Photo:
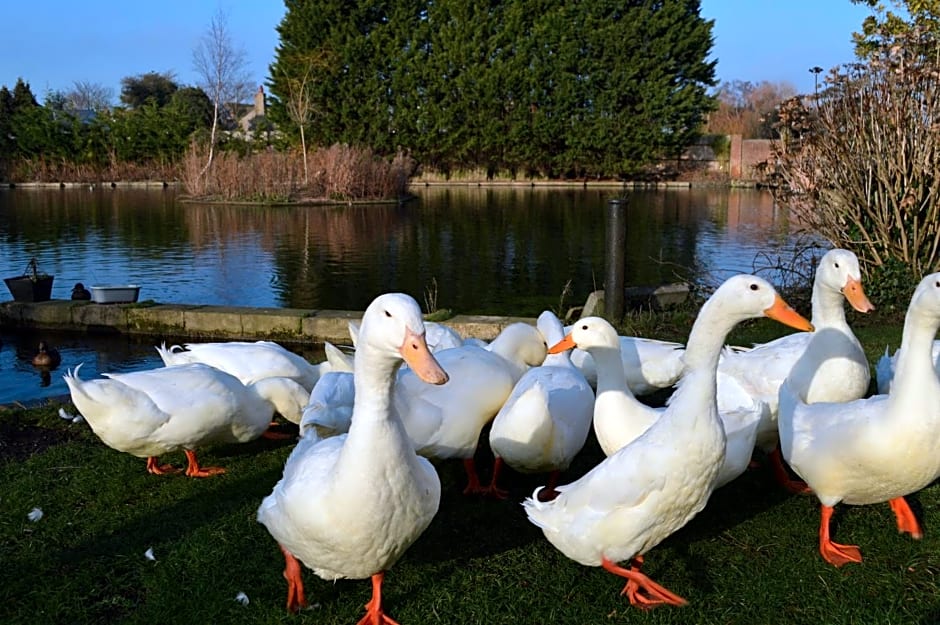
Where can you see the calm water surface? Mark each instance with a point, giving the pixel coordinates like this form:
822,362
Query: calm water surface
470,249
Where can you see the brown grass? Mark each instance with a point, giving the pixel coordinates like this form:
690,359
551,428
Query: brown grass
336,173
57,170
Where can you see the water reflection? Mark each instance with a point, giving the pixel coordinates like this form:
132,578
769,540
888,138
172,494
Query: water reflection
487,250
21,381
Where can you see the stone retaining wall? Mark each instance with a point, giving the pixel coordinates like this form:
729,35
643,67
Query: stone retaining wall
214,322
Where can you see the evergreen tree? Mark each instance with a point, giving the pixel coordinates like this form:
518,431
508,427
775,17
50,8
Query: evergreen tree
602,87
351,93
22,96
7,145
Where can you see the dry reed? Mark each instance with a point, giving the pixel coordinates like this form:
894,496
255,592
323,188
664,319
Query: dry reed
45,170
336,173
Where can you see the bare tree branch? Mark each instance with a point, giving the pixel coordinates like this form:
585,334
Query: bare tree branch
859,163
222,69
89,96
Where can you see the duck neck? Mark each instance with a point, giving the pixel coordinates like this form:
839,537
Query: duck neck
698,384
506,345
914,374
705,341
374,379
828,306
609,366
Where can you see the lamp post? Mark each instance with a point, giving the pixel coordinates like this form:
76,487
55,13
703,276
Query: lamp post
815,70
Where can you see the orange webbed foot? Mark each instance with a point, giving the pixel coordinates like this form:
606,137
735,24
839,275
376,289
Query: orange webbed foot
474,487
492,491
205,471
376,618
907,521
834,553
159,469
194,470
839,555
642,592
295,585
782,476
374,613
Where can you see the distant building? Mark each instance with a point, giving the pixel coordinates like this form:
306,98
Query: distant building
258,110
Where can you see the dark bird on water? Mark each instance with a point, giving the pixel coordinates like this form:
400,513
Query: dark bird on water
47,356
80,292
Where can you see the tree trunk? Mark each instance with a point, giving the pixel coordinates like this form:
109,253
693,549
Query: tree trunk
215,121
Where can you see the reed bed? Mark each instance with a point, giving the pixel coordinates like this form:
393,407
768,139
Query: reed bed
336,173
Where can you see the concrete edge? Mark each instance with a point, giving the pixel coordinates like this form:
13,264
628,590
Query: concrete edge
291,325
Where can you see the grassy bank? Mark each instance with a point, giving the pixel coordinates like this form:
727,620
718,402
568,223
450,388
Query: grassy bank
749,557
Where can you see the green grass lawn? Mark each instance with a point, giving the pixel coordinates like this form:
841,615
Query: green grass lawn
749,557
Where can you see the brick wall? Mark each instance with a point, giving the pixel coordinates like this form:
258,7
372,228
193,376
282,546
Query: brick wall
742,162
753,153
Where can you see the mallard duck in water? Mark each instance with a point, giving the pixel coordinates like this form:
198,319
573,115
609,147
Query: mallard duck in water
47,356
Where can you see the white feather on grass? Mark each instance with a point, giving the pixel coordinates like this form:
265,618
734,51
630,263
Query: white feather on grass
149,555
69,417
242,598
35,514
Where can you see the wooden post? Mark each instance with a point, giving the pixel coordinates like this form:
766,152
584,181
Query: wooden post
614,257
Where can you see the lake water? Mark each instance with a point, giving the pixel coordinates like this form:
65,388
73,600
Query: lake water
471,249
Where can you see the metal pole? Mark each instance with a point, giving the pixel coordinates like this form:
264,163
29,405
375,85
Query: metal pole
614,257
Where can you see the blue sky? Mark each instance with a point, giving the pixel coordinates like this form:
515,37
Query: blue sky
779,40
53,43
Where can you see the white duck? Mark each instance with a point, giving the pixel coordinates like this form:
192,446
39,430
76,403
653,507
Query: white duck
247,361
620,418
253,361
157,411
648,364
336,360
330,406
876,449
546,419
445,421
647,490
837,368
349,506
439,336
884,369
442,336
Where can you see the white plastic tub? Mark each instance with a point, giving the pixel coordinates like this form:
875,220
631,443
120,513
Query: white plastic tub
115,293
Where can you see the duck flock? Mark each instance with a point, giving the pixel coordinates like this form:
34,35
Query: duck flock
359,487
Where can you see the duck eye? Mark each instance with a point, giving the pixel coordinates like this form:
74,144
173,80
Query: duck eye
836,265
584,327
388,314
754,287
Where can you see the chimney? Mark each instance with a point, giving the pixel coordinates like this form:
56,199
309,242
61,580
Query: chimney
259,101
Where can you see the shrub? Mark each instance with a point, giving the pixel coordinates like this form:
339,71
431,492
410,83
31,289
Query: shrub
859,164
